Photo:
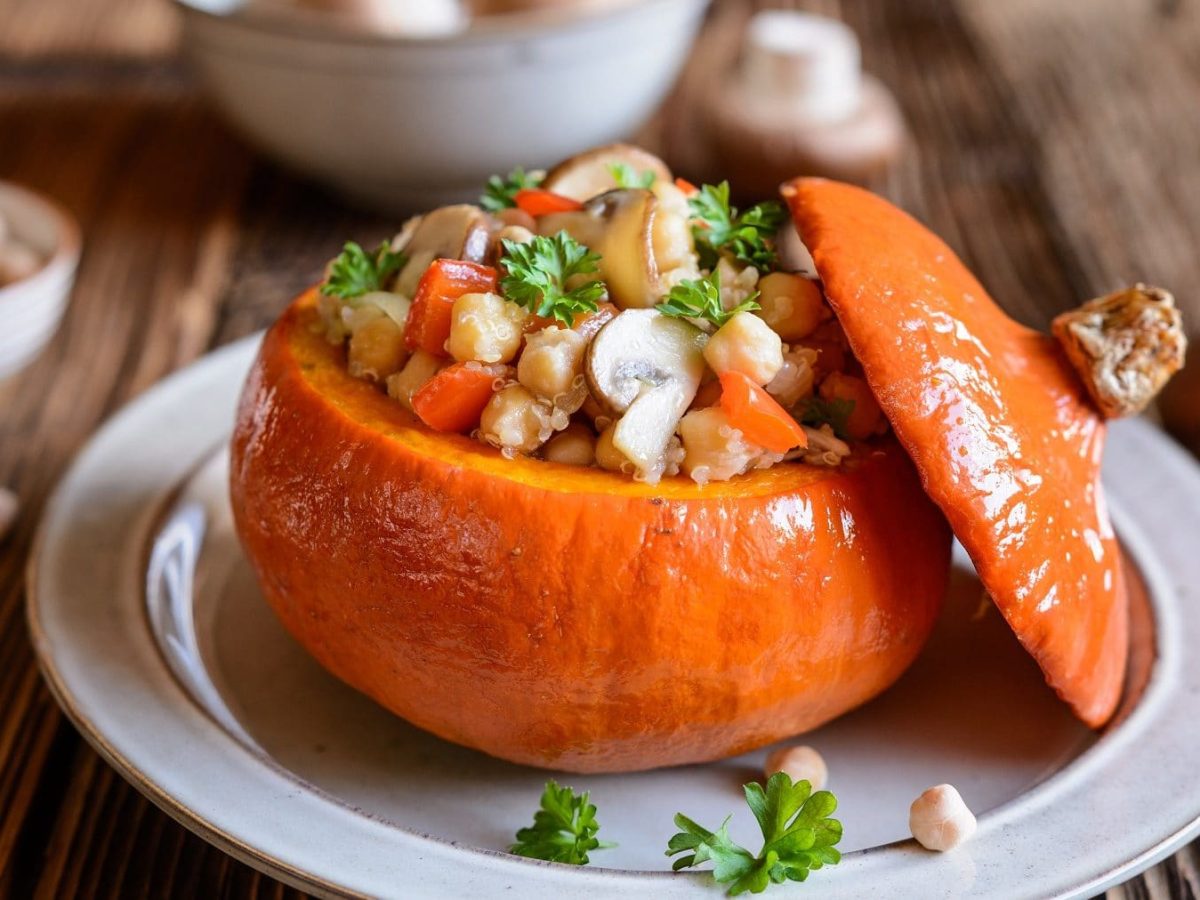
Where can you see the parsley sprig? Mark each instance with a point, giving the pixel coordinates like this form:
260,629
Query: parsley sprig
625,176
537,272
701,299
355,272
834,412
749,237
499,193
564,828
798,836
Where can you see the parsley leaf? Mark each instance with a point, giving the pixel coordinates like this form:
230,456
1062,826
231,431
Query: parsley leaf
537,272
749,237
563,830
625,177
355,272
701,299
798,836
835,413
499,192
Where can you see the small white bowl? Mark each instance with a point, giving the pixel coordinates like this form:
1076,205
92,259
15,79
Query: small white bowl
407,123
30,309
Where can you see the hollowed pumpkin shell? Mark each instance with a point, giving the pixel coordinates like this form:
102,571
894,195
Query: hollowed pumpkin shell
568,617
998,424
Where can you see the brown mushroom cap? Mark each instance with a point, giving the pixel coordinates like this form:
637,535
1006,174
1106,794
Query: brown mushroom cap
587,174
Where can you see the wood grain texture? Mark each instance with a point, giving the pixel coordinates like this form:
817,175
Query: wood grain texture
1055,145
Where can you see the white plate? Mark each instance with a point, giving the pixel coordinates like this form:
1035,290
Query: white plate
287,769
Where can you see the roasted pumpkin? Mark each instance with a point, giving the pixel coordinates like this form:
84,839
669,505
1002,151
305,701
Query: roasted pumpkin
569,617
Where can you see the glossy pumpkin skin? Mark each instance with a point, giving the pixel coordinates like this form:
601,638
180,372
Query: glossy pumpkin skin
997,423
566,617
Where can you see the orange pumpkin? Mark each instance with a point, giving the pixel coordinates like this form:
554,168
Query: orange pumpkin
998,424
569,617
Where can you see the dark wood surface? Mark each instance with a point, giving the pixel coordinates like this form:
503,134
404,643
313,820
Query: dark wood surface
1056,146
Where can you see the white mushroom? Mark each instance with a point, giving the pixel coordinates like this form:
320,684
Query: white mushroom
646,368
461,231
940,820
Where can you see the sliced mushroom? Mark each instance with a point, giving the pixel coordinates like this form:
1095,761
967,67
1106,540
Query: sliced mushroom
590,173
626,246
461,231
646,368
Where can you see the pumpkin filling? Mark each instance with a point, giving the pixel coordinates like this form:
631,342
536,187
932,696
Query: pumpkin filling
604,314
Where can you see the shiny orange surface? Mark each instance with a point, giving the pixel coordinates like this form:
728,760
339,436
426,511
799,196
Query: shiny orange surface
568,617
999,427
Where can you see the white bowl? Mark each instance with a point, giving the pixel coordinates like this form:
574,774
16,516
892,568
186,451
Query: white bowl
407,123
30,309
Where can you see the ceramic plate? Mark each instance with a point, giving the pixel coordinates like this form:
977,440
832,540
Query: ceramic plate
153,636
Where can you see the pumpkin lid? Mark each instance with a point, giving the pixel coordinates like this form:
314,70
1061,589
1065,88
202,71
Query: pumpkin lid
996,422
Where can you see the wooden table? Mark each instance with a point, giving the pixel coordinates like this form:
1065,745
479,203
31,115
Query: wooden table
1057,147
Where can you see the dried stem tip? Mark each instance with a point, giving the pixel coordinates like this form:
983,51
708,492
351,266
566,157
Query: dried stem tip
1125,347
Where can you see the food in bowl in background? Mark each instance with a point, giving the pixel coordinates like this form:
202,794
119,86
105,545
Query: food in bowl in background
522,473
395,122
18,260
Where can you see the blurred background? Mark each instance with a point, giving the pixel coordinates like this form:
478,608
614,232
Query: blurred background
213,155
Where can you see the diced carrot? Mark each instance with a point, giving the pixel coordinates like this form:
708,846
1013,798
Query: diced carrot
454,398
538,202
757,416
428,325
686,186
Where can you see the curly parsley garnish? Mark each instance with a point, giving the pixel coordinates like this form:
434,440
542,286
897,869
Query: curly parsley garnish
749,237
563,830
625,176
701,299
355,272
537,272
834,412
500,192
798,836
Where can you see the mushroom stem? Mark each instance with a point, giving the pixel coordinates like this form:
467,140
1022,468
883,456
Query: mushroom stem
1124,346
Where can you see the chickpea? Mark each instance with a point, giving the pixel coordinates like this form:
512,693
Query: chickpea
795,381
575,446
421,366
607,455
791,304
745,344
866,418
799,763
940,819
713,449
377,349
486,328
513,420
551,364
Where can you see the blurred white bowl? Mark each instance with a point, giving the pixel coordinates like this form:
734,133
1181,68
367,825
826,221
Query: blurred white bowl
30,309
407,123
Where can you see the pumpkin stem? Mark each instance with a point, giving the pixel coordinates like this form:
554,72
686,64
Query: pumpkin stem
1125,346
